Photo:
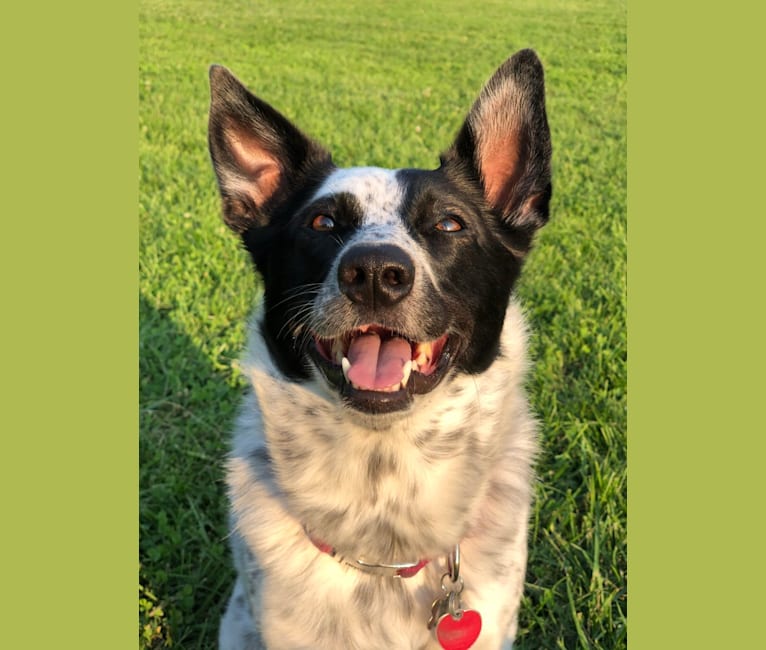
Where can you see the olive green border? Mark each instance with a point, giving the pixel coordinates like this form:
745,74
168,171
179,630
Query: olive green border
69,270
696,233
696,351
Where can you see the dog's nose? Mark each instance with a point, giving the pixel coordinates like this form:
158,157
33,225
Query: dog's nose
376,276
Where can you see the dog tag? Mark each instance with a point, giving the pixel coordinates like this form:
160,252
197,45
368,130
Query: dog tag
455,628
458,633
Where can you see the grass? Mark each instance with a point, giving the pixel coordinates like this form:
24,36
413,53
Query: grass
384,83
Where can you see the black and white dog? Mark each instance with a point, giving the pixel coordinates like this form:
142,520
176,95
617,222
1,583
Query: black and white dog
380,479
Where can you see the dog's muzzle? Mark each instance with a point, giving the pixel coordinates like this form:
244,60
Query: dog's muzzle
376,367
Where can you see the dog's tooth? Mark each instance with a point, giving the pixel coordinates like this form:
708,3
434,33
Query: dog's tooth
406,370
345,364
424,352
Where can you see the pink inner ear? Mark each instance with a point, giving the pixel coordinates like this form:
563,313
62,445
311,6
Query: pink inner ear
257,164
500,169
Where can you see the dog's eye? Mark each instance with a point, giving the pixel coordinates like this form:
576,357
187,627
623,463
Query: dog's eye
323,223
449,224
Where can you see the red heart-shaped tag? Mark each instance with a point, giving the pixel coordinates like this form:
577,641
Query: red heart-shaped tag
459,634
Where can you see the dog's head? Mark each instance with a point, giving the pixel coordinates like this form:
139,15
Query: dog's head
386,281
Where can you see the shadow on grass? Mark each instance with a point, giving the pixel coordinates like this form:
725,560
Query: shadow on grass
186,411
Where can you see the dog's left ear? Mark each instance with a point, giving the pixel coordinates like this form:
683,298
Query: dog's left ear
506,144
258,154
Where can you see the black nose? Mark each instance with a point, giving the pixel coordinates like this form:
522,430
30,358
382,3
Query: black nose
376,276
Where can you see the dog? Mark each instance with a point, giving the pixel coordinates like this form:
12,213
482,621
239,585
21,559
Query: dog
381,472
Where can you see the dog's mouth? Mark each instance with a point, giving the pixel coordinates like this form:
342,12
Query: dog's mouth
378,370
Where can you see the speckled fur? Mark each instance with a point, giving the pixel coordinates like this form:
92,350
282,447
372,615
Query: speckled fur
461,471
454,464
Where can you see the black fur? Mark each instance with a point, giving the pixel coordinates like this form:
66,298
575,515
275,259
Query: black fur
386,367
474,266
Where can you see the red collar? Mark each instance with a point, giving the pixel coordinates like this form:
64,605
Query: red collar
395,570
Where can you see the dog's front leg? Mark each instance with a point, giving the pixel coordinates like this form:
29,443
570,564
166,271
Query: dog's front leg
238,630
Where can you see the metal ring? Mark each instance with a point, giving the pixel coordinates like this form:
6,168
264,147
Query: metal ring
455,587
453,562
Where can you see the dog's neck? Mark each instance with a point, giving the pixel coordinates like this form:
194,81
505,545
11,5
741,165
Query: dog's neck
388,492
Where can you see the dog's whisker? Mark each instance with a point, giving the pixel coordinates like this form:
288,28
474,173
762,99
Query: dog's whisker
309,291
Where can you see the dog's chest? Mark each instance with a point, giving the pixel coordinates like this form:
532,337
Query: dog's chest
406,494
401,494
342,610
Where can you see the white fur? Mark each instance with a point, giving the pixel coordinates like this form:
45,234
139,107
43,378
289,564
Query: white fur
475,490
377,189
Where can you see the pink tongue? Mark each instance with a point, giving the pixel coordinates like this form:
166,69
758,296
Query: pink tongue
376,365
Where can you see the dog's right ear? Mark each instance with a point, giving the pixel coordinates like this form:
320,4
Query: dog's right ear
505,142
257,153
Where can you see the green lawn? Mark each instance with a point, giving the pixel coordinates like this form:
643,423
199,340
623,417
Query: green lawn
383,83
